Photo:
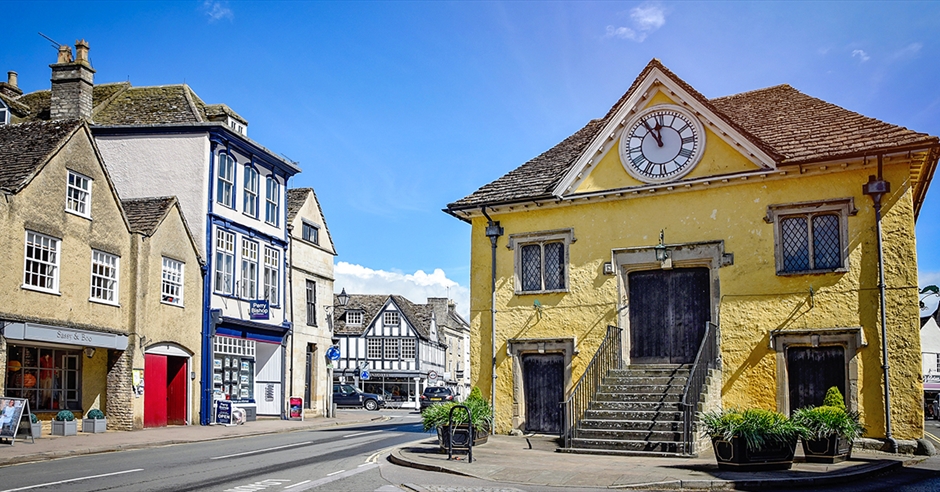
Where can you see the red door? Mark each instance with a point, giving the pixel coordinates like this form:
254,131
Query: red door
155,390
176,391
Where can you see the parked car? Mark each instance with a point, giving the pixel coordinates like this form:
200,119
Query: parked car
346,395
436,394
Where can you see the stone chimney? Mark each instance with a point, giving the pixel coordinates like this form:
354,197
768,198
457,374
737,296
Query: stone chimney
9,87
72,84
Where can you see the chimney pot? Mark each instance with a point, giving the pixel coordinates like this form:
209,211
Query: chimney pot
81,51
65,54
11,78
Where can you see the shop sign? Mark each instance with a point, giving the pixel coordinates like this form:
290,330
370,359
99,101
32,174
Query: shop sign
259,309
68,336
223,412
931,381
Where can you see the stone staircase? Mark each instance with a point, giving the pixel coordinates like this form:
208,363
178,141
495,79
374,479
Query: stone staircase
636,411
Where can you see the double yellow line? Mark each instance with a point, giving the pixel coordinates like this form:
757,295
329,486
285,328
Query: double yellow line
931,436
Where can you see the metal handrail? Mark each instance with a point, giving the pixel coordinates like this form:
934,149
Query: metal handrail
608,356
706,358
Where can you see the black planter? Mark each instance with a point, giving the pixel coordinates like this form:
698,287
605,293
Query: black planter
480,436
831,450
734,456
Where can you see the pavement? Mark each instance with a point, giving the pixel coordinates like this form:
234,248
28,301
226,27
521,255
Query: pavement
525,460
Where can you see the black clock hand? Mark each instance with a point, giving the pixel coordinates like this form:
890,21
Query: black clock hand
659,140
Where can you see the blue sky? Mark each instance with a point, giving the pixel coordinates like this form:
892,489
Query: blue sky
395,109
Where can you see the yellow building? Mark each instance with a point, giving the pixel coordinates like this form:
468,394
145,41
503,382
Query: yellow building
737,226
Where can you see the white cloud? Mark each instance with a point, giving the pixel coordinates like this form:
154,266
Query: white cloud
928,278
416,287
907,51
861,55
646,18
217,10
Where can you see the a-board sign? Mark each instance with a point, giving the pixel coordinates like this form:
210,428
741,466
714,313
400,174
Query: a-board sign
11,413
223,412
296,408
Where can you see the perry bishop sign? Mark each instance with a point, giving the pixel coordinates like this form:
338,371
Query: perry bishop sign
259,309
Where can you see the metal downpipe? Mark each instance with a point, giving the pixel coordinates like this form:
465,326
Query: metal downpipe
493,231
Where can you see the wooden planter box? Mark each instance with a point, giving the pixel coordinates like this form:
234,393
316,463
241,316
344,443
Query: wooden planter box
832,450
480,436
36,429
734,456
64,428
95,426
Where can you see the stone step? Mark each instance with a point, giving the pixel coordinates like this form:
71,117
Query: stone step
618,445
644,388
645,380
630,435
644,425
630,414
669,406
616,452
638,397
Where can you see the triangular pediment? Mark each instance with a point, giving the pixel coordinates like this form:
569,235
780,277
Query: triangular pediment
663,131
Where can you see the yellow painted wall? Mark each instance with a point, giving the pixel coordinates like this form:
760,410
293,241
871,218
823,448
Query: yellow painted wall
754,300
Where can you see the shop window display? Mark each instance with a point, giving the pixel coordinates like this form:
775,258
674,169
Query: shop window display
48,378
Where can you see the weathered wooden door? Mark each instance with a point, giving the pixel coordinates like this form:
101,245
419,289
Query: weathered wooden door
668,312
812,371
544,382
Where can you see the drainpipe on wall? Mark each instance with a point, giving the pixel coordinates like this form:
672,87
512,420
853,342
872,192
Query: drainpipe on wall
493,231
876,188
290,294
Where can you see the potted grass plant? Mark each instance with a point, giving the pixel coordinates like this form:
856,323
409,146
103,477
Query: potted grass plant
831,429
35,426
752,439
94,421
64,424
437,418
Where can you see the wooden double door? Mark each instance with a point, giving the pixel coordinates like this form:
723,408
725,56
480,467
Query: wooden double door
543,378
164,390
668,313
811,371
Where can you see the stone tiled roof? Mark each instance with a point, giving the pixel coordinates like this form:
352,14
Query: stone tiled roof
295,200
789,126
145,214
803,128
419,315
26,147
122,104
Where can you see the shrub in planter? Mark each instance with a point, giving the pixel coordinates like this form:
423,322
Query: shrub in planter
830,429
752,439
64,424
94,421
35,426
437,417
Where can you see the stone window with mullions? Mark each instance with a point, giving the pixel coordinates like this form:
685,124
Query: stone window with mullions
541,261
811,237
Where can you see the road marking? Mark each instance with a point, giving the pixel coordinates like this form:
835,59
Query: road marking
335,477
75,480
335,473
254,487
262,450
361,434
296,484
935,438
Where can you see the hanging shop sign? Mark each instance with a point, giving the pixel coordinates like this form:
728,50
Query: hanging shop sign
259,309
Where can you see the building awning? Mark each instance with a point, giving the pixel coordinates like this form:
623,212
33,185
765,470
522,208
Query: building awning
65,336
240,328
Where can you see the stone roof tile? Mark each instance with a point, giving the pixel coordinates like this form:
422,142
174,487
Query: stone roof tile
145,214
25,147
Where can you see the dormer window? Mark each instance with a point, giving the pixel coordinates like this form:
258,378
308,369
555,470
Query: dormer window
391,318
4,114
237,126
353,318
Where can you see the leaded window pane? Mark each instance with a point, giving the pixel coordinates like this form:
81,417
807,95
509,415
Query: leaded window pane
532,267
826,248
795,247
554,266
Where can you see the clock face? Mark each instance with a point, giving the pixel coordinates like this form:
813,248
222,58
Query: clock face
661,144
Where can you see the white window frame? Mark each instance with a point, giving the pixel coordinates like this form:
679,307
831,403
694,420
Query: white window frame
4,114
272,268
171,287
541,238
354,318
43,267
225,195
105,277
249,270
392,349
374,348
250,205
271,200
78,194
391,318
224,262
409,348
842,207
